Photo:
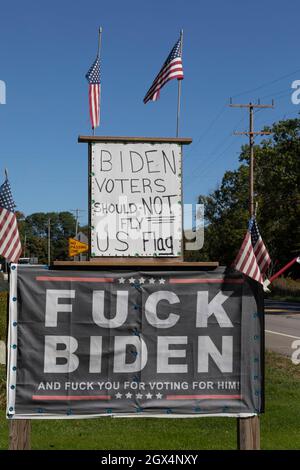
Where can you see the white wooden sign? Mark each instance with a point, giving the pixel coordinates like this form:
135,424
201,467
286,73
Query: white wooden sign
136,200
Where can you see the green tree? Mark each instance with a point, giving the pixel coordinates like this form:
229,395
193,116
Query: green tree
277,191
62,227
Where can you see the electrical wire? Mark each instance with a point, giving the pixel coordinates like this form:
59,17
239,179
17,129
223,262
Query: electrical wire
211,161
276,80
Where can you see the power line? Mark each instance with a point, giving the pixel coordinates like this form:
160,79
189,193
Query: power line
276,80
204,171
214,120
209,161
281,93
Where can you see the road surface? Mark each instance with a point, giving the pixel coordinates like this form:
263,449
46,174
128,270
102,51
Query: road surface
282,326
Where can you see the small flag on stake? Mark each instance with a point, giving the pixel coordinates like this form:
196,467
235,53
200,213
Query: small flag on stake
172,68
10,244
253,258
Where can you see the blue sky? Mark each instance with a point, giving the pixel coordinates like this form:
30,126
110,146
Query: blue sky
47,47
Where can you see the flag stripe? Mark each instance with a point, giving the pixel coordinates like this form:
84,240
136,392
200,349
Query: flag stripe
93,77
10,245
16,252
11,236
3,227
164,72
13,242
94,99
243,252
172,68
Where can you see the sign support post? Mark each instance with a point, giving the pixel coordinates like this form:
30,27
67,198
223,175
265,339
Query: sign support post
19,434
248,433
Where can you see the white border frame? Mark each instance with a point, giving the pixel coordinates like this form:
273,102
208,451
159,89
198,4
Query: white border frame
12,340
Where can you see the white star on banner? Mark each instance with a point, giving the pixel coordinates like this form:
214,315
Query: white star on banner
142,280
151,280
139,396
131,280
118,395
128,395
122,280
158,396
148,396
162,280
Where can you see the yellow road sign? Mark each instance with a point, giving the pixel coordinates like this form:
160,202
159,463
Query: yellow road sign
76,247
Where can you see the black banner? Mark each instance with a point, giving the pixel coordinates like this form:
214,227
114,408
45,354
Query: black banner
156,343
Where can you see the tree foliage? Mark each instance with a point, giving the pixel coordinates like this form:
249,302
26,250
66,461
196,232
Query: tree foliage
34,234
277,192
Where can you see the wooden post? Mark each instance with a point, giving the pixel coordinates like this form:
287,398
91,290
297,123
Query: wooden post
19,434
248,433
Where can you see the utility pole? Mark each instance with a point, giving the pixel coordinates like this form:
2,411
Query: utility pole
77,215
248,429
25,243
251,133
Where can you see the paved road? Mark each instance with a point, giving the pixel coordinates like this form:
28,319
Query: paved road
282,326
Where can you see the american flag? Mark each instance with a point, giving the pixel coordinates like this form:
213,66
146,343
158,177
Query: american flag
172,68
253,258
10,244
93,77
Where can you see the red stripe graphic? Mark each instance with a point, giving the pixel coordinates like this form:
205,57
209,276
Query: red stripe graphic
204,397
74,279
205,281
69,397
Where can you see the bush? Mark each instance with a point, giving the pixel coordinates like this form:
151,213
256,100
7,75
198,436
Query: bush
286,287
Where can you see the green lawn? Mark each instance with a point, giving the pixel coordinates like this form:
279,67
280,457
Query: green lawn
280,425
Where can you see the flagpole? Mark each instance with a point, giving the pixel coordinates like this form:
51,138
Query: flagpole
99,52
99,41
179,88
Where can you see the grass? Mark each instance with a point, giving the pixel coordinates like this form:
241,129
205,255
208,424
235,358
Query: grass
279,425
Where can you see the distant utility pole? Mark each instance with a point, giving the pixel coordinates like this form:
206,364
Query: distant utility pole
251,135
77,215
25,243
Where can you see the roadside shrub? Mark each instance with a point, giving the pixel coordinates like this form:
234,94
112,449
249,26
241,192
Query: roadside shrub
286,287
